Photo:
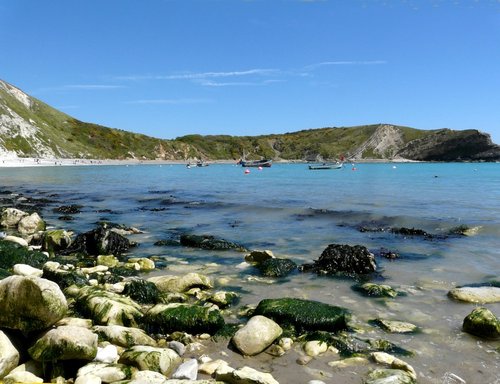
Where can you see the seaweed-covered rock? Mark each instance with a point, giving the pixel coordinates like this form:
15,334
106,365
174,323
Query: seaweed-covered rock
69,209
258,256
16,239
481,295
107,260
304,315
9,356
209,242
275,267
168,318
375,290
12,254
65,343
31,224
258,334
30,303
392,326
108,308
55,240
142,291
223,299
65,278
412,232
344,259
143,263
179,284
464,230
389,376
163,360
100,241
11,217
393,362
483,323
123,336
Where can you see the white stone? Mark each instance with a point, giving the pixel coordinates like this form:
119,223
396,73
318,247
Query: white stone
163,360
258,334
108,373
30,224
147,377
21,377
26,270
108,354
187,370
286,343
11,217
17,240
315,347
88,379
480,295
124,336
9,356
210,367
245,375
393,362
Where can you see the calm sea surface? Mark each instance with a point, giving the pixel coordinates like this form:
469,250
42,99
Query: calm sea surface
296,213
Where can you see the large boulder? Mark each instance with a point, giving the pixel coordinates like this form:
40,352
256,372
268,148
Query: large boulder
195,319
258,334
344,259
65,343
163,360
11,217
209,242
483,323
183,283
304,315
108,308
482,295
9,356
100,241
31,224
123,336
30,303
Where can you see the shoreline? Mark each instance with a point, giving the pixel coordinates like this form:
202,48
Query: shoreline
24,162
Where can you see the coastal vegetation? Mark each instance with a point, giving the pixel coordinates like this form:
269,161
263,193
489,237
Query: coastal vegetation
31,128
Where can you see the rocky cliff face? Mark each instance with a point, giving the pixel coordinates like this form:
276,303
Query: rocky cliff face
448,145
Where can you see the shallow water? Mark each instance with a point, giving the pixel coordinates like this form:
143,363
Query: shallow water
296,213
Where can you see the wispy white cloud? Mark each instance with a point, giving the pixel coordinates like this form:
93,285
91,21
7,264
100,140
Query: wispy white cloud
202,75
211,83
170,101
92,86
345,62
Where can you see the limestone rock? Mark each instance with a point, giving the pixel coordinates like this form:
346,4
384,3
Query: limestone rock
107,260
376,290
315,347
9,356
108,373
394,363
245,375
108,308
349,362
21,377
65,343
163,360
188,370
124,336
88,379
144,263
147,377
11,217
389,376
482,295
107,354
258,334
179,284
26,270
396,326
30,303
31,224
17,240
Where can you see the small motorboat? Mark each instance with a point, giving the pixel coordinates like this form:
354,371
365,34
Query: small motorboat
326,166
256,163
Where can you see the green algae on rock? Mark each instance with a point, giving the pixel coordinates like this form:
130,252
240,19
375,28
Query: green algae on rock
275,267
195,319
375,290
12,254
142,291
304,315
483,323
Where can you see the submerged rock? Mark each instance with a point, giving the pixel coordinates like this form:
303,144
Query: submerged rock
344,259
395,326
275,267
168,318
305,315
30,303
482,295
258,334
483,323
375,290
209,242
389,376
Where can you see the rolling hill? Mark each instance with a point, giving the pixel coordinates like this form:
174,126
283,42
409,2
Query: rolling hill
31,128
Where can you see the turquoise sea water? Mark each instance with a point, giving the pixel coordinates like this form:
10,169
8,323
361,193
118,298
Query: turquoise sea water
296,213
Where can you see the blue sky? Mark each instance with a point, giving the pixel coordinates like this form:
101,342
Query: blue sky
168,68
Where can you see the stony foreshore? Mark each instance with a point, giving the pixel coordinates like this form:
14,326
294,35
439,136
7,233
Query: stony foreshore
81,308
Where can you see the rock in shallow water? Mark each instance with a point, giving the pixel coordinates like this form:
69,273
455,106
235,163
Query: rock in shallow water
256,335
483,323
482,295
163,360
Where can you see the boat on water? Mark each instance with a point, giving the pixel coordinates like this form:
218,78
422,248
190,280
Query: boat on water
326,166
197,164
256,163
